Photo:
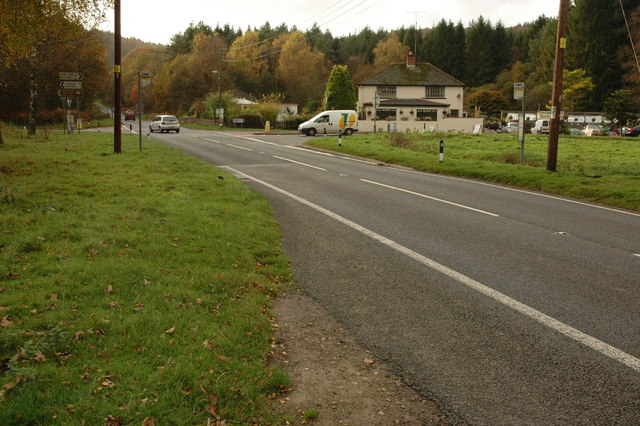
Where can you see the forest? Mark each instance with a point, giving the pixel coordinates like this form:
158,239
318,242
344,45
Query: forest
287,64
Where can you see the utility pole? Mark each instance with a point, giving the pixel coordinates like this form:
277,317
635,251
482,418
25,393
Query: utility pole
556,97
117,89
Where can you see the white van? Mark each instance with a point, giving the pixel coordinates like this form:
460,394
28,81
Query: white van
331,122
540,126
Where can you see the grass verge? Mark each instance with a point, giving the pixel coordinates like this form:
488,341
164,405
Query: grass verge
600,169
133,286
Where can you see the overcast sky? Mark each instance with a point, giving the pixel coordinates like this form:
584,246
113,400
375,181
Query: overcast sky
158,20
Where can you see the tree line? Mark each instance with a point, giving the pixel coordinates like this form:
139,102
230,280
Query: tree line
293,65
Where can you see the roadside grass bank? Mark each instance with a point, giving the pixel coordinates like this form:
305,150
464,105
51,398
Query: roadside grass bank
133,286
599,169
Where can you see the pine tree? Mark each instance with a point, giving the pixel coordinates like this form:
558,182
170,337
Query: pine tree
479,53
596,32
340,92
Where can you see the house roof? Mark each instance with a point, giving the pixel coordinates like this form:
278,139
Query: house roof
423,74
408,102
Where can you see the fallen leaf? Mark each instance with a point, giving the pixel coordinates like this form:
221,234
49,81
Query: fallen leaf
107,383
53,297
109,289
78,335
170,331
112,304
112,421
208,344
368,361
39,357
5,322
211,409
146,282
148,422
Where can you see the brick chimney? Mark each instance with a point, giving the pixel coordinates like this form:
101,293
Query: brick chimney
411,60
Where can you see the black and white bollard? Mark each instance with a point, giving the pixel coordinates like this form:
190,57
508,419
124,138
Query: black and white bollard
340,138
441,150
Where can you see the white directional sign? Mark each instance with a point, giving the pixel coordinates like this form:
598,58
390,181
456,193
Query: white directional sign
70,76
71,85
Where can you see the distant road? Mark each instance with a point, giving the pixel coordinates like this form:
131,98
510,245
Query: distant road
504,306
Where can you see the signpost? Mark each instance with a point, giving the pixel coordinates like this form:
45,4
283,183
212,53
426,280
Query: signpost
518,93
70,87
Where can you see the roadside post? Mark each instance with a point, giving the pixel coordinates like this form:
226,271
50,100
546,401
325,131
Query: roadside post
340,138
144,79
376,103
441,150
518,93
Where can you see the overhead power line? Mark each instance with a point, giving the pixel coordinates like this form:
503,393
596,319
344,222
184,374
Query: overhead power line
633,47
344,17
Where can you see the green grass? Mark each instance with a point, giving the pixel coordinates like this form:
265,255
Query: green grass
131,286
599,169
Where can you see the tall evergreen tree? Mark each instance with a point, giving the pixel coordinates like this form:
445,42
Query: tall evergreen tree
596,32
444,47
479,53
340,92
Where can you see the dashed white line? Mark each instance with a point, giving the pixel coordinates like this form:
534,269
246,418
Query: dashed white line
298,162
239,147
430,198
550,322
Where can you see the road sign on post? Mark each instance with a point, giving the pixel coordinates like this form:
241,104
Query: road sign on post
68,84
70,76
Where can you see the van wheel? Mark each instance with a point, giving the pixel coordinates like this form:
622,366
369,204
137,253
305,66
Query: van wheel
348,132
311,132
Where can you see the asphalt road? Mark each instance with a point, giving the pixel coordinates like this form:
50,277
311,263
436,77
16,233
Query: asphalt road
504,306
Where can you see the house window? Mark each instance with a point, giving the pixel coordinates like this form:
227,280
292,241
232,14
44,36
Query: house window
387,91
455,113
434,92
426,115
386,113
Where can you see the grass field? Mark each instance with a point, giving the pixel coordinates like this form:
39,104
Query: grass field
599,169
133,286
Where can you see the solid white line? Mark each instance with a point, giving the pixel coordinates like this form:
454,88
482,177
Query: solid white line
575,334
298,162
239,147
431,198
637,254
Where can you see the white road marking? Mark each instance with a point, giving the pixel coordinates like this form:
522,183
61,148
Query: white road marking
506,188
573,333
523,191
298,162
638,254
430,198
210,140
239,147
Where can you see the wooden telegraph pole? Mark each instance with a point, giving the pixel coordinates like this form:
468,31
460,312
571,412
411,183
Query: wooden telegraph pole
117,85
556,97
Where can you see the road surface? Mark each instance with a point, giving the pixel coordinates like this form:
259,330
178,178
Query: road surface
504,306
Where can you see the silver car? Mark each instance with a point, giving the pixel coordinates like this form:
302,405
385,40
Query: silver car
164,123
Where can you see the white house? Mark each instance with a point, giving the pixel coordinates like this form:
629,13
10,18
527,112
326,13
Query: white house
413,97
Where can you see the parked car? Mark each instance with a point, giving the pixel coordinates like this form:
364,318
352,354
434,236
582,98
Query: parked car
129,115
592,130
634,131
511,127
164,123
